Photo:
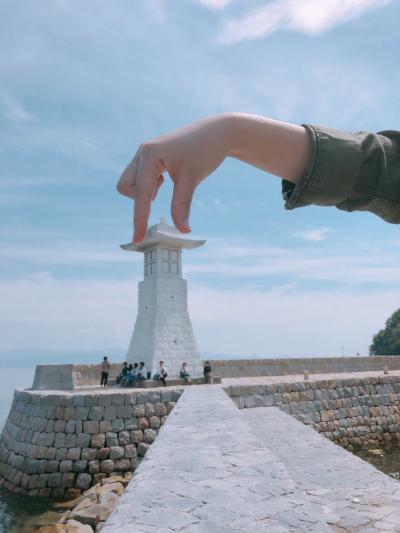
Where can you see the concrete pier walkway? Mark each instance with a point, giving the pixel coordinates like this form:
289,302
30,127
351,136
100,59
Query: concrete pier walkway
214,468
332,483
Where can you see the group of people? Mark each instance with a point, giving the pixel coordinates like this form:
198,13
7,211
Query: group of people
134,375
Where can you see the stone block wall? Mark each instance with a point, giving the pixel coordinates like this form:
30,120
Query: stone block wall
237,368
351,412
56,445
71,376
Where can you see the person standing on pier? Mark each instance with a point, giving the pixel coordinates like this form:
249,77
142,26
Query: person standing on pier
105,368
207,372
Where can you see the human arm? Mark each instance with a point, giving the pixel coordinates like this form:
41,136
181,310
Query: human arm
192,153
320,166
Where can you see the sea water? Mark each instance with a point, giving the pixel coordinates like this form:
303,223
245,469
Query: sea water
387,461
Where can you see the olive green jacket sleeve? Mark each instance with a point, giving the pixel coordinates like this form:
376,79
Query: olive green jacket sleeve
352,171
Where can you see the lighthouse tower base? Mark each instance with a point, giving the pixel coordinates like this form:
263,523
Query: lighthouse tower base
163,330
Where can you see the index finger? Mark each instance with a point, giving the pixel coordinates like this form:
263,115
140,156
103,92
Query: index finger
145,185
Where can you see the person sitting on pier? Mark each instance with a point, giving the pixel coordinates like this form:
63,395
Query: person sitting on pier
124,380
133,375
123,372
161,374
142,373
184,373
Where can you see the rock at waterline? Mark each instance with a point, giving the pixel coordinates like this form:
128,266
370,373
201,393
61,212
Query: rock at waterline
376,452
72,526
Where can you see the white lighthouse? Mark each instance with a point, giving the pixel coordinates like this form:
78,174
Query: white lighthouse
163,330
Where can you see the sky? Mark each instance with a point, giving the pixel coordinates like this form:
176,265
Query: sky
82,84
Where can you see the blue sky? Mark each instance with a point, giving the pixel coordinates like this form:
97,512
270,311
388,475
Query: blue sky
83,83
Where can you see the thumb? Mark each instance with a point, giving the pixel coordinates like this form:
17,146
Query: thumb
181,204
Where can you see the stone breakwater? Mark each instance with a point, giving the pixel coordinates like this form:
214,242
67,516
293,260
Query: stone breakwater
237,368
58,444
354,413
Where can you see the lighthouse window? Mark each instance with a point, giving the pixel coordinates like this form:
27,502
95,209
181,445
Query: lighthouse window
169,261
150,262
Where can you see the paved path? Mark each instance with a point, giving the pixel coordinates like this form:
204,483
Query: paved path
350,493
216,469
207,472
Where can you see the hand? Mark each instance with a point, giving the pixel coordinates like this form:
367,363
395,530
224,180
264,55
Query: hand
189,155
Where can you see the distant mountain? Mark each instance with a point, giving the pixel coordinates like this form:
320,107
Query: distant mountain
31,358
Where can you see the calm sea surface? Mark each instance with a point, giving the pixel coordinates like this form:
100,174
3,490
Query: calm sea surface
11,379
15,512
388,461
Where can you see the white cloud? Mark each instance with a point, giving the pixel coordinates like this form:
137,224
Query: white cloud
220,205
19,183
17,191
59,140
334,93
65,253
28,234
343,265
199,203
41,312
310,17
342,270
317,234
215,4
237,263
223,205
289,322
157,11
238,251
15,111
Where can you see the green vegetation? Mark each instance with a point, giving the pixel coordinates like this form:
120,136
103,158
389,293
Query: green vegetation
387,341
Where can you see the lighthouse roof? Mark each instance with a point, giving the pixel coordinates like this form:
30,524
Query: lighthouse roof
163,234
